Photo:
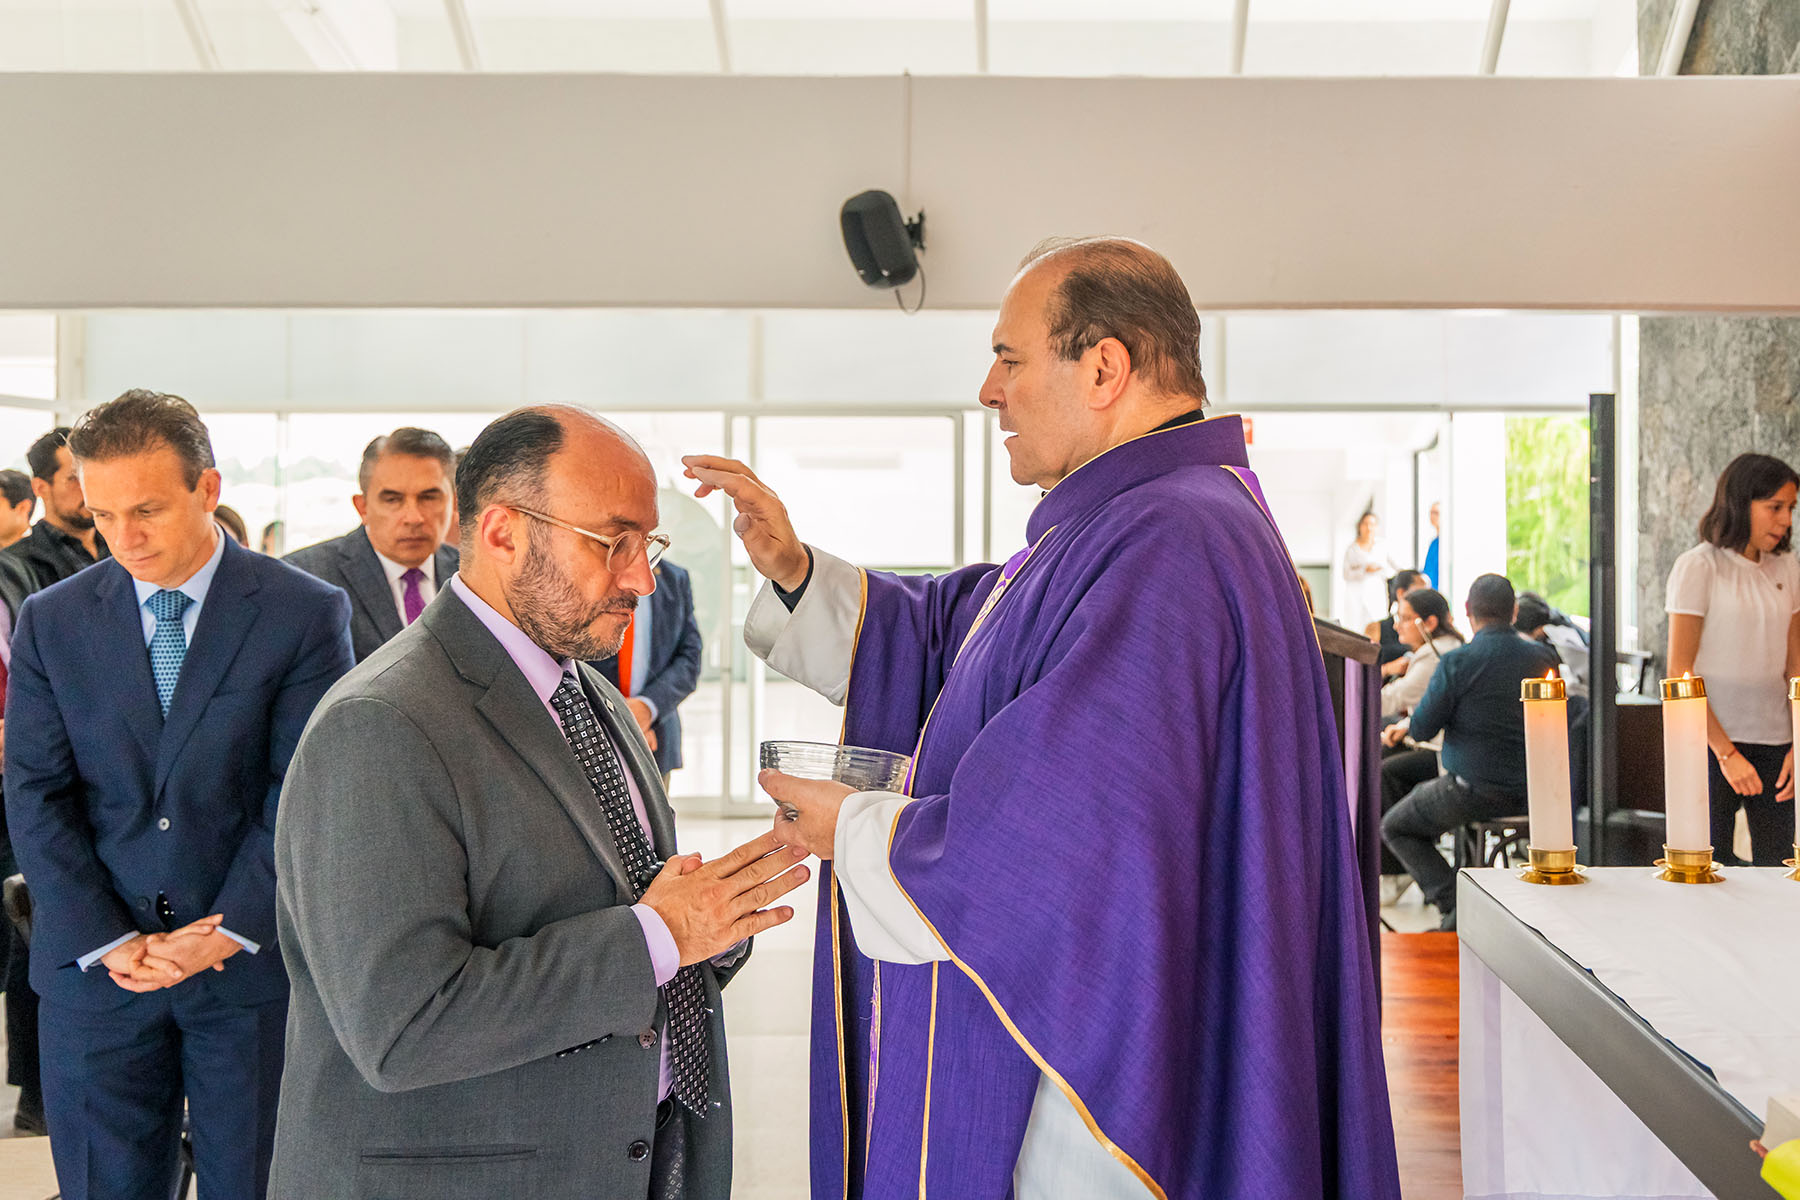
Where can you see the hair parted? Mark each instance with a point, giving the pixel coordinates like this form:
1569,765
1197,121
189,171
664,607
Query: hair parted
422,443
41,458
506,463
1745,480
140,421
1113,287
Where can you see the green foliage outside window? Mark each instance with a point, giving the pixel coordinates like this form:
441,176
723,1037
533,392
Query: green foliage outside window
1547,509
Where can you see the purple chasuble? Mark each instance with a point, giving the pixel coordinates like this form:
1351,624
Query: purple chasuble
1131,834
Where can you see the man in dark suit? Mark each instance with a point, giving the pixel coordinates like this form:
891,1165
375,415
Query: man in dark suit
395,562
658,664
506,980
64,540
154,702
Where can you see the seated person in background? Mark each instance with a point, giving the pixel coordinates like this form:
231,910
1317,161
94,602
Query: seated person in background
1393,649
1428,634
1473,699
1537,620
20,501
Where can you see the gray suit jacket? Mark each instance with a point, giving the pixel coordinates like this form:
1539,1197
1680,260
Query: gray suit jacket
474,1012
350,562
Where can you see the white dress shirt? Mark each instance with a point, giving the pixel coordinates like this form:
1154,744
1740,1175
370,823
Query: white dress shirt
812,645
428,586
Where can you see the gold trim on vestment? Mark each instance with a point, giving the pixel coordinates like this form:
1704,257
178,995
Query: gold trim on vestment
1140,437
1075,1101
1292,566
837,938
874,1067
930,1062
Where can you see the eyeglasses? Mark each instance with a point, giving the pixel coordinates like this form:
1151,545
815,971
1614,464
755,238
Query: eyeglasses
622,549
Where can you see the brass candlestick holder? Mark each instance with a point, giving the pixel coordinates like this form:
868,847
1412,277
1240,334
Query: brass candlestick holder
1794,862
1689,866
1553,867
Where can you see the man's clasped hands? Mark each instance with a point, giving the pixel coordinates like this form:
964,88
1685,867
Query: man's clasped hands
151,961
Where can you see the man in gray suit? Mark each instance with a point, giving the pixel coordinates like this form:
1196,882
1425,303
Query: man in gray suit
505,980
394,562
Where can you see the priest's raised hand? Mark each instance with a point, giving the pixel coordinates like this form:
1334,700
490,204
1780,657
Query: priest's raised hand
762,521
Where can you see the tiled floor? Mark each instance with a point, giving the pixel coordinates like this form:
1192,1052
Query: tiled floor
766,1021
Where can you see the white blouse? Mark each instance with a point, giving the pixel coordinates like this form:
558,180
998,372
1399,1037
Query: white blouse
1402,694
1748,607
1364,599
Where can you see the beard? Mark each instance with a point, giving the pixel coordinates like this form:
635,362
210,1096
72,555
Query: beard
551,611
79,519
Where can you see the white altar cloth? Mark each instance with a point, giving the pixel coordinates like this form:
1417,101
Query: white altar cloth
1714,970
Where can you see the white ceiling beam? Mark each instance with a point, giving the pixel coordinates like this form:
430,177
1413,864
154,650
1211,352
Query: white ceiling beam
1496,32
1675,42
198,35
344,35
463,28
1240,32
981,37
721,34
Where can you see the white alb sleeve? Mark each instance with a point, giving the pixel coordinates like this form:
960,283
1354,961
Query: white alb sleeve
884,922
812,645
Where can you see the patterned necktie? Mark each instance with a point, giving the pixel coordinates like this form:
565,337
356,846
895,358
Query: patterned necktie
686,993
168,645
413,598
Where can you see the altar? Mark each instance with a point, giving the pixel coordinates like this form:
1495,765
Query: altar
1623,1038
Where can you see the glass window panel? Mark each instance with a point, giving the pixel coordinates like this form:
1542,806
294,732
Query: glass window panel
1011,502
401,361
19,427
879,491
638,359
216,360
28,355
246,447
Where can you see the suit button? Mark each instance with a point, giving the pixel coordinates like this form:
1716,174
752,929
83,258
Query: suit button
144,903
639,1151
647,1038
163,824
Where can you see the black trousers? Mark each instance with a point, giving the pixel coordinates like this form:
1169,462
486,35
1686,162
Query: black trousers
1771,824
1402,770
21,1005
668,1159
1429,811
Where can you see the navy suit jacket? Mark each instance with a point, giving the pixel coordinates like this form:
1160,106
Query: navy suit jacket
674,666
94,770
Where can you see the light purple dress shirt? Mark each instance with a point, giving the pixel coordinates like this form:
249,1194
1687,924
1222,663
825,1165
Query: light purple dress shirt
543,673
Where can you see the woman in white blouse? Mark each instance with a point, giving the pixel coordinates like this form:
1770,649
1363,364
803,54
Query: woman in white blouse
1734,619
1367,568
1425,626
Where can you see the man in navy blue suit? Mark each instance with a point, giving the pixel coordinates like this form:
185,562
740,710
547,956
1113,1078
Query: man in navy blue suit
153,705
658,666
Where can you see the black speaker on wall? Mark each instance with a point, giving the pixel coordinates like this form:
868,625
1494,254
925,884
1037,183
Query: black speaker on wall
883,245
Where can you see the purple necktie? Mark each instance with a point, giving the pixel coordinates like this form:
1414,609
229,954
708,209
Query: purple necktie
413,598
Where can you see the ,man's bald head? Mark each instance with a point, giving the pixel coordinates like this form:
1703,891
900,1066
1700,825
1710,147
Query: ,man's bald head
1115,287
512,459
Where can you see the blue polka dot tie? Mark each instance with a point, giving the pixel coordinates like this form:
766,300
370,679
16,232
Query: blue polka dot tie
168,645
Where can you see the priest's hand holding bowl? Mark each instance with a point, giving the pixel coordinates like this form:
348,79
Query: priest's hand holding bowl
809,810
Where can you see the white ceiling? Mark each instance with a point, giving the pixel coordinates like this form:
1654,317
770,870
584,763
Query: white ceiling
810,37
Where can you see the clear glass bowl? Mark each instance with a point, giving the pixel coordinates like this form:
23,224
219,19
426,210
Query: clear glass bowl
863,769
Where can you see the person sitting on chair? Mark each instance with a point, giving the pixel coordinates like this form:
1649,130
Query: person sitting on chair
1473,699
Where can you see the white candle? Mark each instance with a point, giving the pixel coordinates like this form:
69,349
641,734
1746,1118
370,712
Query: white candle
1794,708
1684,763
1547,763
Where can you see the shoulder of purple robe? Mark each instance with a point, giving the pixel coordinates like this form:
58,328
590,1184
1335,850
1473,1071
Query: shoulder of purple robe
1144,860
912,628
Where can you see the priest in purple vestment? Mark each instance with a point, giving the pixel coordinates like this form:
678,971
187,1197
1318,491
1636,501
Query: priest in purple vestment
1110,942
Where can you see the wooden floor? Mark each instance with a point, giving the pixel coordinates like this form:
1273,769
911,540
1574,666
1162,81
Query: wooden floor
1418,1034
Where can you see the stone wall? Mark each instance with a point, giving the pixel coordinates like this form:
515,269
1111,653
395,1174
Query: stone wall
1710,388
